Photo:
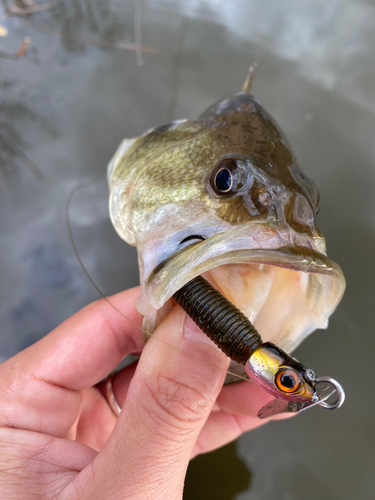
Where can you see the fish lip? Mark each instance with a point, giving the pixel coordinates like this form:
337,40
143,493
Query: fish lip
185,264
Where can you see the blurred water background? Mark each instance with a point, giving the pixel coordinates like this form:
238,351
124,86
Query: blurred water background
77,76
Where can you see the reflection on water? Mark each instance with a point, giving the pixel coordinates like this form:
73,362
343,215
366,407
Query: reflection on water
79,89
16,116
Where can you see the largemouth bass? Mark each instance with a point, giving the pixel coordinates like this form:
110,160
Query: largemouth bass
224,197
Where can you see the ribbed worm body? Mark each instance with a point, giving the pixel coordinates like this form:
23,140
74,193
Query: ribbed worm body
220,320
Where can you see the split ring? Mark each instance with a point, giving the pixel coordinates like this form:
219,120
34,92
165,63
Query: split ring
338,388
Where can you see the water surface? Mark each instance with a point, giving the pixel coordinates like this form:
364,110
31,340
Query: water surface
81,88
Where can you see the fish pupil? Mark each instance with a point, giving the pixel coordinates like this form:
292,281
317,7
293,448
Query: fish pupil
223,180
287,381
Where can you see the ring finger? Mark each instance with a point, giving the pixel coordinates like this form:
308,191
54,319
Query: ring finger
97,419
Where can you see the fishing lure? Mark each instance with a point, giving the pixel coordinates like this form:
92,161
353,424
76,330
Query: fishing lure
224,222
265,363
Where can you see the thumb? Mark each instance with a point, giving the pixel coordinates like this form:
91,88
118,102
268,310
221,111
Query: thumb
168,402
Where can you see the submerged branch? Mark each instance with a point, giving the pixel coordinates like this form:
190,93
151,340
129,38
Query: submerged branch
92,40
26,8
20,52
17,152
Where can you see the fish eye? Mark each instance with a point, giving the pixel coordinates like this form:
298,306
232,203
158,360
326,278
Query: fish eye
224,178
287,380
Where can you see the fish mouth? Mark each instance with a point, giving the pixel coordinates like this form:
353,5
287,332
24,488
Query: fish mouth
286,292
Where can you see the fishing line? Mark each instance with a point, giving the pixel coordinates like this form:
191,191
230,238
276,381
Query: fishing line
68,205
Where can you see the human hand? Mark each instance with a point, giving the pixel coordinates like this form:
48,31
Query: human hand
59,438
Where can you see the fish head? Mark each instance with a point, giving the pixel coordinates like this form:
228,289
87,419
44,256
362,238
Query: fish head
223,196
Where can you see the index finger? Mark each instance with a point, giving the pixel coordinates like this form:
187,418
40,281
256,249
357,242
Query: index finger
39,385
87,346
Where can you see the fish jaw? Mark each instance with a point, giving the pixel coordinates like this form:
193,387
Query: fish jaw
286,290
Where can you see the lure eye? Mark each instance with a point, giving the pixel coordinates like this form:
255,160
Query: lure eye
287,381
224,177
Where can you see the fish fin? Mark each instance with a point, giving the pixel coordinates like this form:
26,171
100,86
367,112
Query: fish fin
246,87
